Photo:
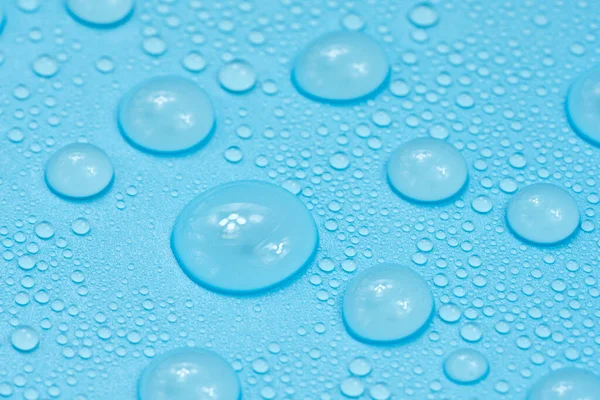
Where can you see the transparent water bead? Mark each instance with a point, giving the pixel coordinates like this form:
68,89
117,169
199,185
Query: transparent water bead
100,13
583,106
189,374
243,237
340,66
543,213
386,303
566,384
166,115
427,170
78,171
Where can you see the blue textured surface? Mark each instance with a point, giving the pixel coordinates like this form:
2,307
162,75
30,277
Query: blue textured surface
98,282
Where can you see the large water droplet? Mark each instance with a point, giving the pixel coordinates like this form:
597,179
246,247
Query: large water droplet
100,13
427,170
25,338
237,76
166,115
387,302
78,171
340,66
466,366
543,213
583,106
189,374
244,236
566,384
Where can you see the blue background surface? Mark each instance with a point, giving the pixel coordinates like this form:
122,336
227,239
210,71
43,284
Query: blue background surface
516,67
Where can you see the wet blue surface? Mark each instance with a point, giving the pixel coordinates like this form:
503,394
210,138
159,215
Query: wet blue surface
92,292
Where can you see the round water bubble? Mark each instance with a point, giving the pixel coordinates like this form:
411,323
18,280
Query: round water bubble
583,106
189,374
340,66
466,366
100,13
566,384
243,237
543,213
387,302
427,170
78,171
25,338
423,15
166,115
238,76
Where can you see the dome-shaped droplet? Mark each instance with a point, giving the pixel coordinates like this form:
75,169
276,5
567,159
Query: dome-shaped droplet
387,302
166,115
340,66
25,338
100,13
244,236
427,170
583,106
78,171
543,213
566,384
238,76
466,366
189,374
423,15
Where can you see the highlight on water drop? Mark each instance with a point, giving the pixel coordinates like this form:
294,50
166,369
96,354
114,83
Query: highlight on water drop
244,237
566,384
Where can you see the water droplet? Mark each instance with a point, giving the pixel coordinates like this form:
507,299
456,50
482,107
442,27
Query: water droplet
568,383
380,391
339,161
543,213
25,338
81,226
244,236
101,13
423,15
340,66
360,366
386,303
194,62
583,106
449,313
44,230
79,170
166,115
352,387
233,154
187,374
237,76
427,170
353,22
482,204
466,366
154,46
28,6
2,19
105,65
45,66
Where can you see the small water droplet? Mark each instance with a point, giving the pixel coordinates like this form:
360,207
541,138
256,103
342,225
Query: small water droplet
238,76
25,338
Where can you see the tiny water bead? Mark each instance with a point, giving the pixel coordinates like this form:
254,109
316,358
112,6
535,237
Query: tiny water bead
78,171
189,374
244,236
166,115
427,170
583,106
543,213
25,338
567,383
100,13
238,76
340,66
466,366
386,303
423,15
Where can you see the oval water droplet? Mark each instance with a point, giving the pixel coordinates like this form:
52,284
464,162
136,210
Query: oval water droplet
100,13
166,115
543,213
238,76
386,303
25,338
423,15
340,66
466,366
78,171
244,236
189,374
427,170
